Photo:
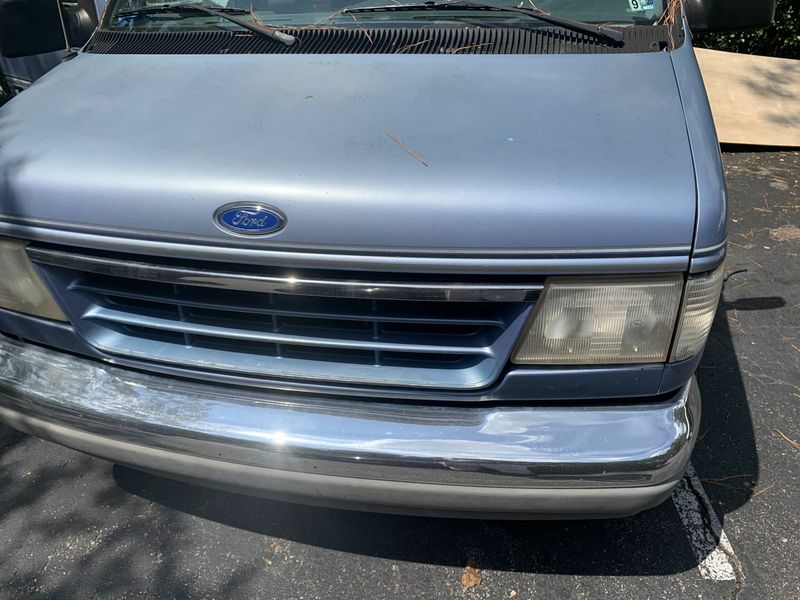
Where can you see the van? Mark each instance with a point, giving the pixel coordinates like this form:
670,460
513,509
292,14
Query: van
444,258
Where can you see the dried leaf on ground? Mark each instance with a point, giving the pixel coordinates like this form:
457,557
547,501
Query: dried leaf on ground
785,233
471,577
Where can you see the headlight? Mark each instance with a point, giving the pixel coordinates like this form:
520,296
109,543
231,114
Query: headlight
21,288
602,321
699,307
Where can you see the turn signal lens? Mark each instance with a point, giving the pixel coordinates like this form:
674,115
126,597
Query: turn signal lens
602,321
21,288
699,306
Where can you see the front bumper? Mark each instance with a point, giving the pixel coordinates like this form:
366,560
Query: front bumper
482,460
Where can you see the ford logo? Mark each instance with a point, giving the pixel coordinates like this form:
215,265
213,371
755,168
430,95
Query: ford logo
249,218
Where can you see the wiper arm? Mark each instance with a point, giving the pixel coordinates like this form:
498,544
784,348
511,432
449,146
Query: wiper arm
614,35
229,14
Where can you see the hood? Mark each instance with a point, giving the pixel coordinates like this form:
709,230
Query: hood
482,153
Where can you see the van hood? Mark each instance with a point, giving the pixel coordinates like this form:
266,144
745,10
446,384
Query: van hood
482,154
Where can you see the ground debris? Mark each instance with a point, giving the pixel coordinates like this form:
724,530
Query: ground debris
787,438
361,27
721,480
790,341
470,47
410,46
277,545
785,233
765,489
471,577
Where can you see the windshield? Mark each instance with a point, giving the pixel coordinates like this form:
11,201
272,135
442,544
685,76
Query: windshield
298,13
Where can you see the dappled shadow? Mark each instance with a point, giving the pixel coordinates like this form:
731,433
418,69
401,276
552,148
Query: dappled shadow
754,99
59,540
779,85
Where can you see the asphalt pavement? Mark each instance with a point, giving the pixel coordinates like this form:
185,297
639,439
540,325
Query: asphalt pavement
72,526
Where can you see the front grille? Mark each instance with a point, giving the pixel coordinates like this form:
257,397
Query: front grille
264,323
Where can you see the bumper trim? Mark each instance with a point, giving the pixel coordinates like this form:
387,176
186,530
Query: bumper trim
480,460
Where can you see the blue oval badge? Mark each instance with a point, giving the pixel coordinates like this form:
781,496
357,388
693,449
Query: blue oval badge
249,218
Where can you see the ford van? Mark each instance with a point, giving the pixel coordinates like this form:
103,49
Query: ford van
445,258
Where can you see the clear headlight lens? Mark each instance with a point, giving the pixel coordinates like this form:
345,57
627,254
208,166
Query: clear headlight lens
699,306
602,321
21,288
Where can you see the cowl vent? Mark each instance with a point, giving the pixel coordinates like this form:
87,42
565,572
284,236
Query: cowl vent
400,40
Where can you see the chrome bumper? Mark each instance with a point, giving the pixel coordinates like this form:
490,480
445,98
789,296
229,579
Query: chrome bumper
458,460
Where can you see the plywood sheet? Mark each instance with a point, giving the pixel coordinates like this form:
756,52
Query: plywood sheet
754,99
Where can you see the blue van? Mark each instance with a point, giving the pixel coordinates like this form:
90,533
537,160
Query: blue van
450,258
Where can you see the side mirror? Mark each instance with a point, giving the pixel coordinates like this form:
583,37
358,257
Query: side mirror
728,15
80,20
30,27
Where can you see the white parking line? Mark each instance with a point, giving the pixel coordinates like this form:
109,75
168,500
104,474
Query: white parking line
715,557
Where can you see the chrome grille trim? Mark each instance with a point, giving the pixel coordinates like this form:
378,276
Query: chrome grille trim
260,323
377,290
186,326
405,316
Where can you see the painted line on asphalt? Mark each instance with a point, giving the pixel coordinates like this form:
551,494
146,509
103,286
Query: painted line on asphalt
715,557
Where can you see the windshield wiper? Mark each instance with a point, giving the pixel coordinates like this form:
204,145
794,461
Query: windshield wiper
614,35
229,14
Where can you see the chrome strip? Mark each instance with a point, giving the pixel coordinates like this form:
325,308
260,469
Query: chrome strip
205,362
476,261
102,313
710,249
546,447
376,290
403,315
707,262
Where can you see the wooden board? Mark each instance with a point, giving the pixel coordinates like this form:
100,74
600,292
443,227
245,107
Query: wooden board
754,99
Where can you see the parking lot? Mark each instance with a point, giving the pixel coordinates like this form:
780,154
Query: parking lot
72,526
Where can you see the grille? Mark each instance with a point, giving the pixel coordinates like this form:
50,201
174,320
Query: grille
395,40
298,326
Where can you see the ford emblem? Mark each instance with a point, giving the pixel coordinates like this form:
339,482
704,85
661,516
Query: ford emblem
249,218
